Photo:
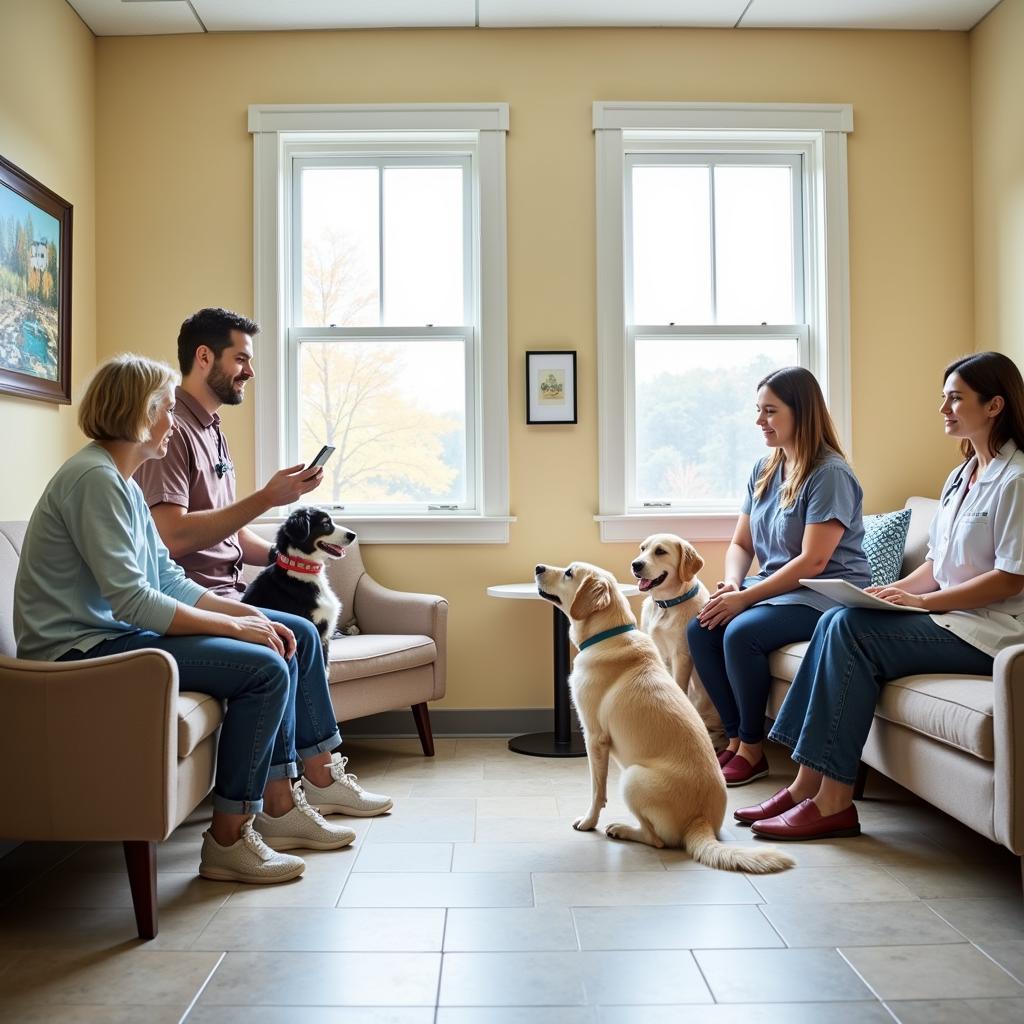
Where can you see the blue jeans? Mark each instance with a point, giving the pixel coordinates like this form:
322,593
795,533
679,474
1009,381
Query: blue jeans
828,711
277,711
732,661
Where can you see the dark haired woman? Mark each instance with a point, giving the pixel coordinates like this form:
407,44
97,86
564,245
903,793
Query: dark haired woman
801,518
970,584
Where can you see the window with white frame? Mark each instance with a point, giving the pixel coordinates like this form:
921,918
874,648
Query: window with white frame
380,242
713,235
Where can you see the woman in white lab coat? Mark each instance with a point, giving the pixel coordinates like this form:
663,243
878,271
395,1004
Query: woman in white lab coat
971,586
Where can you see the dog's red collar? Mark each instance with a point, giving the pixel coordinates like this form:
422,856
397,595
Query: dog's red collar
304,565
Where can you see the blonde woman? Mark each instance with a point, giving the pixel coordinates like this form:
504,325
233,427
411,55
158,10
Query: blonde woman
801,518
94,579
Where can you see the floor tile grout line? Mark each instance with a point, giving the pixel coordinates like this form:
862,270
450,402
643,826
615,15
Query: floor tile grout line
771,924
1003,968
202,988
871,988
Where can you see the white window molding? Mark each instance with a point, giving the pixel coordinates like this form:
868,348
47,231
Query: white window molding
818,132
281,131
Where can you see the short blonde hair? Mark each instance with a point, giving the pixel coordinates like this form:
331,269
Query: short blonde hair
120,401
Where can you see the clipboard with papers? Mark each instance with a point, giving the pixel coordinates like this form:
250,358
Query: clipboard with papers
845,593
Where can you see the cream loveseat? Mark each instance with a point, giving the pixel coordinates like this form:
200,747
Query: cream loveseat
956,741
109,750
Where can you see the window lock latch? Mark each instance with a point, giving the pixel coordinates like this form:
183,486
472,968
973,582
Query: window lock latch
442,508
657,504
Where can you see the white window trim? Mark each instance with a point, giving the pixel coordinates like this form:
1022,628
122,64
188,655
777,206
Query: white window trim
819,131
273,127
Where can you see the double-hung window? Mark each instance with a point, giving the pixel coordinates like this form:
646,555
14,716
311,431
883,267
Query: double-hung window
712,248
385,333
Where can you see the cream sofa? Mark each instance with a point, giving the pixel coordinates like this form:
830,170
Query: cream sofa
956,741
109,750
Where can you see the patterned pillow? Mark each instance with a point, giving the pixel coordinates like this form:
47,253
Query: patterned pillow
885,537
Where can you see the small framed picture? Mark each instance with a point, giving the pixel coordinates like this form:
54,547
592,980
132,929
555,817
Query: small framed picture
550,387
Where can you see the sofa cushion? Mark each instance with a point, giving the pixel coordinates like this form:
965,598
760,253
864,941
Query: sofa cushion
784,662
371,654
885,537
198,715
954,709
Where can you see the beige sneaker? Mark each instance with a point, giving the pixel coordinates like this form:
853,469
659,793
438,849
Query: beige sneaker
248,860
302,828
344,795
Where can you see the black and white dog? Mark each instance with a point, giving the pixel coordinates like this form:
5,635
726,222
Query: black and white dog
295,582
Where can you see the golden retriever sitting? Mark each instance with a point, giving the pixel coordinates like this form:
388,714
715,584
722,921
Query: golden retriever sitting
666,571
631,709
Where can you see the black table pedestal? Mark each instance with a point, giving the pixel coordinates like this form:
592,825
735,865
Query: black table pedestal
563,742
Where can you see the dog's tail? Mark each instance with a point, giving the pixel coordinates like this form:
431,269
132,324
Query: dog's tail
704,847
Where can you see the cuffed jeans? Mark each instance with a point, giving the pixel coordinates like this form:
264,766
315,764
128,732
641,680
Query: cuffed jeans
732,661
277,711
827,714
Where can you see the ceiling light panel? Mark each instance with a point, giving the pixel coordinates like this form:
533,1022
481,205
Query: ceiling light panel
952,15
274,15
591,13
150,18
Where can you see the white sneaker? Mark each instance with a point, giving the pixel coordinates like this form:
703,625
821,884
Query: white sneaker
302,828
247,860
344,795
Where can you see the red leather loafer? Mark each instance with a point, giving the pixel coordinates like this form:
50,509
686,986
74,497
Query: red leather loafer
780,803
805,821
739,771
725,756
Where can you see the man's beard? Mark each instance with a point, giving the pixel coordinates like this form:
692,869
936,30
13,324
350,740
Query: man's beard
222,385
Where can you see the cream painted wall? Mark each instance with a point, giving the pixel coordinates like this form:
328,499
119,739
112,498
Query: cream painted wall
47,128
174,195
997,87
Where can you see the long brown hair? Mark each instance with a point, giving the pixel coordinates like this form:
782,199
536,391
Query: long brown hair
816,432
991,374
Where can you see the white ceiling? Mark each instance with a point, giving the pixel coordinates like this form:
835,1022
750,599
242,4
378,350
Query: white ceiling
160,17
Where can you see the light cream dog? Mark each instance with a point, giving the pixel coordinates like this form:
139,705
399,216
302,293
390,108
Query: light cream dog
666,571
632,710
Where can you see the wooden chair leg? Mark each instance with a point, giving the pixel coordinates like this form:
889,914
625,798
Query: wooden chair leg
140,856
421,713
861,781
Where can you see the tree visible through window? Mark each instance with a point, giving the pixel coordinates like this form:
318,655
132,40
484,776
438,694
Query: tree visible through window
385,341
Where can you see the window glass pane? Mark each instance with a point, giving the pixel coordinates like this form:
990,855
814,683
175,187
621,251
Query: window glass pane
423,257
340,247
671,245
696,440
395,411
754,245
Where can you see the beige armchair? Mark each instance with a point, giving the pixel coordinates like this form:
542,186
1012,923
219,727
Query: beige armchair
399,657
116,752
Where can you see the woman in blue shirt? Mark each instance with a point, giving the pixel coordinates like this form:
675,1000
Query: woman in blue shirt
95,579
801,518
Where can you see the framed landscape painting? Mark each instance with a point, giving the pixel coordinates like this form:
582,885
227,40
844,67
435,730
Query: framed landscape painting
35,288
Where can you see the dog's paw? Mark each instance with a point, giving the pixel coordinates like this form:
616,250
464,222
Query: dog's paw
616,830
585,824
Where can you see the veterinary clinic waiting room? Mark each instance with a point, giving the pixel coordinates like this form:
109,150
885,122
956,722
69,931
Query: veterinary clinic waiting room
512,510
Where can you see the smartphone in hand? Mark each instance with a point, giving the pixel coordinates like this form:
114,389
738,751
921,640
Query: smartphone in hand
321,457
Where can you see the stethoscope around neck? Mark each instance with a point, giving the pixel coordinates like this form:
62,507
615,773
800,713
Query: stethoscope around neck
955,485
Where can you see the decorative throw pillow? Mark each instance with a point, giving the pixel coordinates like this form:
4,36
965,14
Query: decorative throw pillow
885,537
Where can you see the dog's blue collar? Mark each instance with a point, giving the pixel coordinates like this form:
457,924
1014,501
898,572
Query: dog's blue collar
605,635
692,592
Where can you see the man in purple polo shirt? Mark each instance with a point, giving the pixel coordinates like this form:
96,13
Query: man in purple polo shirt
191,493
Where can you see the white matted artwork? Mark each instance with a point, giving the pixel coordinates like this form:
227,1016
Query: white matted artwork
551,387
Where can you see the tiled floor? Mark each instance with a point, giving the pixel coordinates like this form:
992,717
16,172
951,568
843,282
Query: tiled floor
475,902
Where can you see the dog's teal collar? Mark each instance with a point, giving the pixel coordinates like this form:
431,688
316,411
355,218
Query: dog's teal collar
605,635
692,592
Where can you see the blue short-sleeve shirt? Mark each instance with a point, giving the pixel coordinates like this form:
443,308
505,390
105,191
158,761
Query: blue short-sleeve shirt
830,492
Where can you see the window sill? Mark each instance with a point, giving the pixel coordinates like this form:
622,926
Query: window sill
694,526
435,529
